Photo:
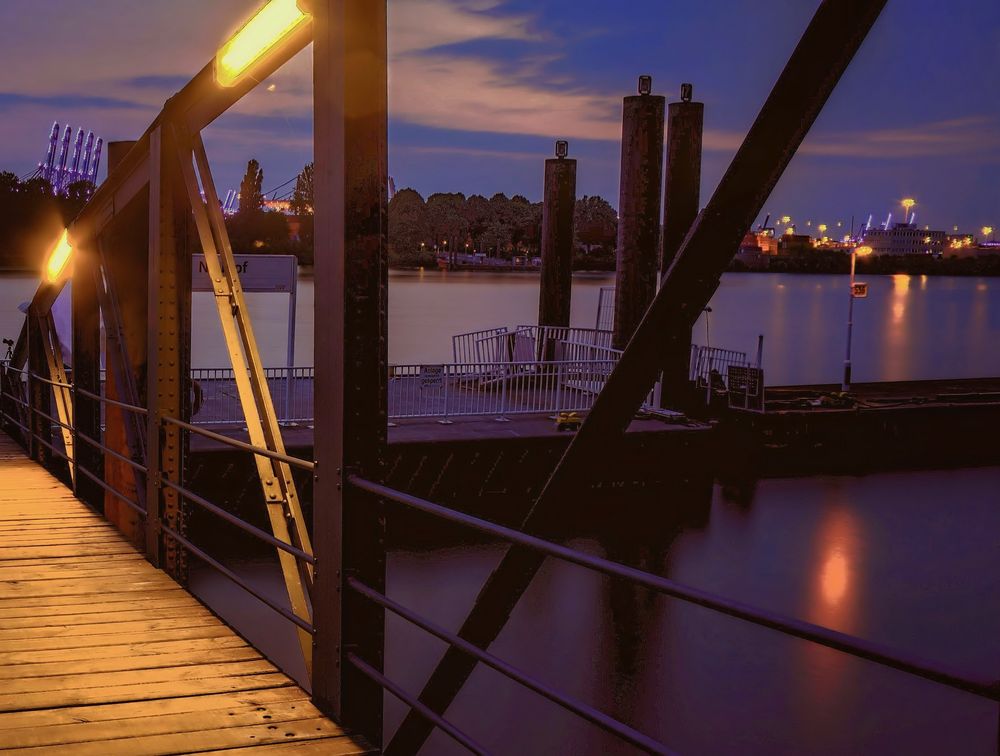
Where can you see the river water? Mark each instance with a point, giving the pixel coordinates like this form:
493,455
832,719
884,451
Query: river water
907,559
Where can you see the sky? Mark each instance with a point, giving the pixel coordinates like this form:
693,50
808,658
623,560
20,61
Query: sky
481,89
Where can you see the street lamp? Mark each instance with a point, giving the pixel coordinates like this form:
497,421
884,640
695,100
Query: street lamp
58,259
257,37
987,231
907,204
857,291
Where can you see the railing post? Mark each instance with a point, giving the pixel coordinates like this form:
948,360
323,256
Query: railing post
351,274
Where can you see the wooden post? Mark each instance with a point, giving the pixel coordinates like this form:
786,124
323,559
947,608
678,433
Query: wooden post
351,175
86,375
558,205
681,201
638,210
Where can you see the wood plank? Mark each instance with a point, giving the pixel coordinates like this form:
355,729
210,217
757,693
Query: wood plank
153,612
161,724
53,699
34,552
43,718
112,639
89,666
321,747
194,647
112,596
201,741
11,589
137,677
126,629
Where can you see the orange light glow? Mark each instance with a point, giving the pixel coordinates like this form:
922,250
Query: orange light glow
58,258
863,251
259,35
834,578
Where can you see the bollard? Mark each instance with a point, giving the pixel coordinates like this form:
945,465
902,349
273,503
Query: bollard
681,202
638,209
558,205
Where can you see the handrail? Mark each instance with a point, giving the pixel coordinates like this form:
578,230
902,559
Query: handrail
592,715
113,491
293,461
226,572
414,703
940,673
97,445
114,402
191,496
49,381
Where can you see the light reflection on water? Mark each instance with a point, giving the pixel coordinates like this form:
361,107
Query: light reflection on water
897,558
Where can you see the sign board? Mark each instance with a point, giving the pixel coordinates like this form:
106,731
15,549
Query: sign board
859,290
431,375
269,273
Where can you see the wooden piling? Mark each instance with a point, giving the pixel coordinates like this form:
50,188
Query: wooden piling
558,205
638,210
681,202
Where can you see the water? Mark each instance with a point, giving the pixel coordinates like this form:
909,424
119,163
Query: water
906,559
910,327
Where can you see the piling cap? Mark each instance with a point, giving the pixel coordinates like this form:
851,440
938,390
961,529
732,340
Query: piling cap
687,92
562,148
645,84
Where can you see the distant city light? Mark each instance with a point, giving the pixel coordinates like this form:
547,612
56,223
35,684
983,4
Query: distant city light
863,251
786,219
907,204
58,258
987,230
259,35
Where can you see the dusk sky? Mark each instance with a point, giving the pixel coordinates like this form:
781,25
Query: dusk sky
479,89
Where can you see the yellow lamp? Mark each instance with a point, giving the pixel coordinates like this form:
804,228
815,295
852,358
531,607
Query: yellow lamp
58,258
271,24
863,251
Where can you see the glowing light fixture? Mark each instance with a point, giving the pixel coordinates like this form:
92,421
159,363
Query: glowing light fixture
58,258
272,24
863,251
907,204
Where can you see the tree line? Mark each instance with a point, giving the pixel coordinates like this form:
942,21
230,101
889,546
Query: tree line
499,227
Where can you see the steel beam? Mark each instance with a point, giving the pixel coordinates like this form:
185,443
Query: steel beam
168,339
351,175
86,375
826,48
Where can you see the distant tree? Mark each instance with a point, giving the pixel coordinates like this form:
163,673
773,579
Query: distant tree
251,187
302,197
596,224
410,235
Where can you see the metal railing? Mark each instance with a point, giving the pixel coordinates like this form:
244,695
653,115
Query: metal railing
495,389
29,436
217,399
605,319
712,363
970,682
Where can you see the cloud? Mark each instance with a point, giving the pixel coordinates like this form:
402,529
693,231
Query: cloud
12,100
953,137
158,82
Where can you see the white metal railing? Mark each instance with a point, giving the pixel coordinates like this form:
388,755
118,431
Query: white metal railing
495,389
710,365
217,400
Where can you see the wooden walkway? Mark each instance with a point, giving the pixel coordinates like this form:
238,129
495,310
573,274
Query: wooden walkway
101,653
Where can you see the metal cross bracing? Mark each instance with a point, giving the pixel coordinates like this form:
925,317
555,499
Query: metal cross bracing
346,632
